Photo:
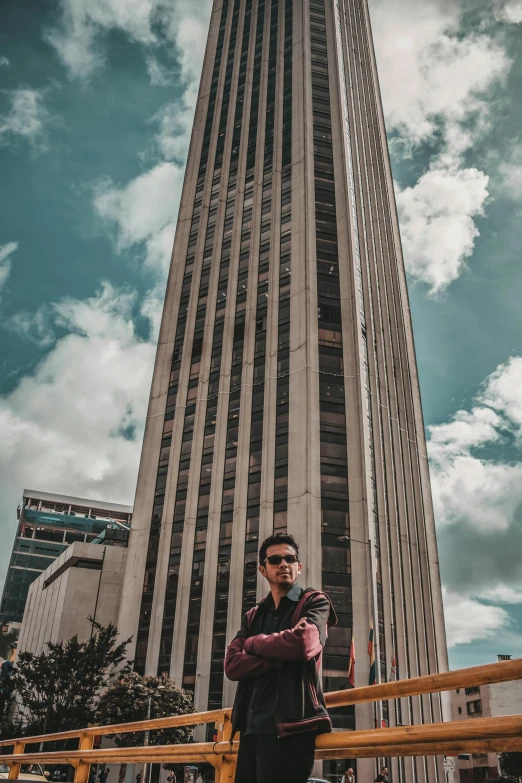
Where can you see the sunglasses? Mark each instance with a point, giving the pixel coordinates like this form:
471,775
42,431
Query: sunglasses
278,559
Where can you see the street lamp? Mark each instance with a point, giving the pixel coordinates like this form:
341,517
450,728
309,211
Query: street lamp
146,740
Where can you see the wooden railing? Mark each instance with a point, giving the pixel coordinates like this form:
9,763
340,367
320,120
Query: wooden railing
478,735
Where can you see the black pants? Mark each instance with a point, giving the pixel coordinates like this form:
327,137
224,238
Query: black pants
264,758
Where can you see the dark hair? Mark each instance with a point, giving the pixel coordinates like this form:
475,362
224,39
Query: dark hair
277,538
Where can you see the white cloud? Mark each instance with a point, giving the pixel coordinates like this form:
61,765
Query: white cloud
477,491
6,251
477,495
188,28
79,35
502,594
175,126
144,210
160,76
4,62
482,494
445,77
467,430
27,117
438,82
143,206
469,489
510,12
468,620
503,391
437,226
510,171
37,327
75,425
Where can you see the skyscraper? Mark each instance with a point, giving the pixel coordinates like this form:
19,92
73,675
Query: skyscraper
285,392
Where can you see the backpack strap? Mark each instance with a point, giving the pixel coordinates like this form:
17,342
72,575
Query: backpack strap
307,594
250,616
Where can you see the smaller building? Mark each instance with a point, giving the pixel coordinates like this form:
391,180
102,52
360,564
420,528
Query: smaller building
485,701
85,581
47,525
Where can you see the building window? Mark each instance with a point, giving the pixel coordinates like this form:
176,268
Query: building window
474,707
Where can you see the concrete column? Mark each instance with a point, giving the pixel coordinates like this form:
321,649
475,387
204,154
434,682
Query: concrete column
304,475
210,576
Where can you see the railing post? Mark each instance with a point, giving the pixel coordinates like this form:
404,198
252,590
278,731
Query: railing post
226,767
81,773
14,771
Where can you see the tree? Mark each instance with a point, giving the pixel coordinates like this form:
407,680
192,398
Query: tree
58,688
511,765
6,691
127,701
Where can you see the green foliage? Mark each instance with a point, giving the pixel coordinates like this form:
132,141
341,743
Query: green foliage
10,729
126,701
58,689
511,765
6,695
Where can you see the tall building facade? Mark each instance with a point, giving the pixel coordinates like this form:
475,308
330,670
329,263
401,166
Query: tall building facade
47,525
285,393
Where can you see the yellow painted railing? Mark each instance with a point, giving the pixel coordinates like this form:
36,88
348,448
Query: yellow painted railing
478,735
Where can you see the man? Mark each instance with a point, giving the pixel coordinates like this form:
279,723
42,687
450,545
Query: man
349,777
384,774
279,706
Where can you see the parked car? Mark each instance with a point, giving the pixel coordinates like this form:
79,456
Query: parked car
29,773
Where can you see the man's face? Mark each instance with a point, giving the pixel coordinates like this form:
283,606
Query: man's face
283,573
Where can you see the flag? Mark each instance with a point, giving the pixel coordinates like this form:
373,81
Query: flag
393,669
371,655
351,664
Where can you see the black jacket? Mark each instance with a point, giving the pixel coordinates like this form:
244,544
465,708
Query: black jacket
297,653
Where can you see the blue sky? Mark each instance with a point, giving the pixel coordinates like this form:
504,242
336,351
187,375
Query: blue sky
96,101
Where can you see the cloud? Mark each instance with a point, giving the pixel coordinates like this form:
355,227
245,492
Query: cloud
437,223
75,425
4,62
510,173
470,489
6,251
468,620
160,76
144,211
27,118
503,392
175,126
502,594
449,79
36,327
445,77
477,488
510,12
79,36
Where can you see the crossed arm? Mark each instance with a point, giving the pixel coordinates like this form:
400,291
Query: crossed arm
252,656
